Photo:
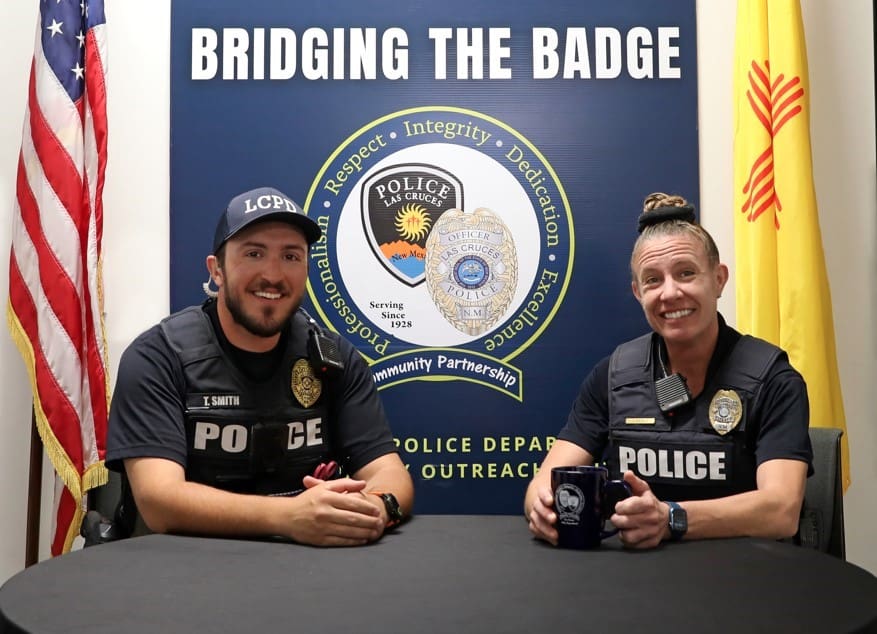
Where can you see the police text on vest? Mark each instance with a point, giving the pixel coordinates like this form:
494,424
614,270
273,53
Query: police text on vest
234,438
676,464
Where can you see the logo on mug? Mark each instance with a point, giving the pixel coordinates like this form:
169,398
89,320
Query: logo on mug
570,501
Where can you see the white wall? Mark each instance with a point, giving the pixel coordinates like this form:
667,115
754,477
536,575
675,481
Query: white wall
16,52
136,206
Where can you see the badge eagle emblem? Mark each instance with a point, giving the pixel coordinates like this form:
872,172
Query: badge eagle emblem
305,385
726,410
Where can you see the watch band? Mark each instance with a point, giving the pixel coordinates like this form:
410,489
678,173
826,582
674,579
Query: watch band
678,521
394,511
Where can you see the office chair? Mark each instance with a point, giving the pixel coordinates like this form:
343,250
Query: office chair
109,514
822,520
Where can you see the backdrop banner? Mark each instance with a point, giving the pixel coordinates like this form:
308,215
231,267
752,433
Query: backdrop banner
477,169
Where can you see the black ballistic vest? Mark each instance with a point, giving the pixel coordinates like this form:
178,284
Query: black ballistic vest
242,435
680,454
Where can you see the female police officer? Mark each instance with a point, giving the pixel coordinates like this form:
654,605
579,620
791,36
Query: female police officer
708,427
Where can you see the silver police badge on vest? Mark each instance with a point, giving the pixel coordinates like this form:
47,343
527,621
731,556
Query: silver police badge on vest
725,412
471,268
305,385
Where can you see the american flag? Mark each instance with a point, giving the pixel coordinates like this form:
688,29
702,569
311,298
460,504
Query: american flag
55,308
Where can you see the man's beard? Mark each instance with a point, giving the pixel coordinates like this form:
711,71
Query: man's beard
266,327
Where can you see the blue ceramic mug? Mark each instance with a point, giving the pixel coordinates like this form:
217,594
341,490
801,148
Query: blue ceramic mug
584,499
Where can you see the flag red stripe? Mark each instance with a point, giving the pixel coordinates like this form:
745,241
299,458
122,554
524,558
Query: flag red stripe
57,164
96,89
97,379
65,181
57,408
63,518
57,286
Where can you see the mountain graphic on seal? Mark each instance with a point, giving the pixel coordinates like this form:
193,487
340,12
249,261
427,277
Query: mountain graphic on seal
408,258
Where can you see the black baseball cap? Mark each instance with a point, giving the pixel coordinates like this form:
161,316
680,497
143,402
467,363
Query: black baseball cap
258,205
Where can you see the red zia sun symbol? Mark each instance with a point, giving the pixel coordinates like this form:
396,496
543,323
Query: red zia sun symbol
412,222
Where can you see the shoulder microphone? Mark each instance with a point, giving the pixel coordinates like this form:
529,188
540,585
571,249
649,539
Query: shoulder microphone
323,352
672,391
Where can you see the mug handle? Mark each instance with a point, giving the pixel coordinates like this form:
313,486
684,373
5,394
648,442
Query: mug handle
613,492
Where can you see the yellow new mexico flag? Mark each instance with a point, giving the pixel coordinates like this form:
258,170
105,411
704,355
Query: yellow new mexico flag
782,285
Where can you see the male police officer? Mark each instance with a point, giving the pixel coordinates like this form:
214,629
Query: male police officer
227,418
708,427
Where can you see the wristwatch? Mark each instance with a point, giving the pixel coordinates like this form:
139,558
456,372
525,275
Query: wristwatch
394,511
678,521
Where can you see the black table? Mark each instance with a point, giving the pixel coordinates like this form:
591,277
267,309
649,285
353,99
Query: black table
439,574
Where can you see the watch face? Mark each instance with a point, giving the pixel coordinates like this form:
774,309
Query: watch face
392,505
678,519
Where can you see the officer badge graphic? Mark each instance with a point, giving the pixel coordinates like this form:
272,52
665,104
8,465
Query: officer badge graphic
725,411
305,385
570,501
471,268
400,205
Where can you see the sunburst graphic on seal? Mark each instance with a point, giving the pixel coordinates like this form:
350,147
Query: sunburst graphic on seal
412,222
305,385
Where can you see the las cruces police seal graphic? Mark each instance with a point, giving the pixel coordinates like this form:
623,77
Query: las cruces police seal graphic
400,204
447,246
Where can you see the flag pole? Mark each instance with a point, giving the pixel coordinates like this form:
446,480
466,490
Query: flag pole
34,495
